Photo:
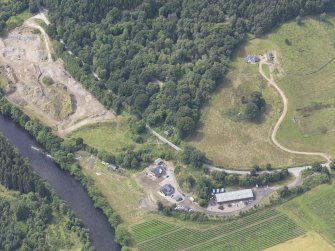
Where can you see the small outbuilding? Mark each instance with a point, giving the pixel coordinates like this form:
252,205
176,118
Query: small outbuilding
167,189
252,59
269,56
169,132
159,161
239,195
178,198
112,166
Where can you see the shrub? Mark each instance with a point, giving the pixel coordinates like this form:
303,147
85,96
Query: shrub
47,80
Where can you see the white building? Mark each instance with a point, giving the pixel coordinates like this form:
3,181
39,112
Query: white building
234,196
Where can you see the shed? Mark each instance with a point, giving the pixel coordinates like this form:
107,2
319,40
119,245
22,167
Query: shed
234,196
112,166
269,56
169,132
178,198
167,189
159,161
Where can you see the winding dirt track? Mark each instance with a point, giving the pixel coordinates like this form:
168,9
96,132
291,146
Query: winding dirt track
282,116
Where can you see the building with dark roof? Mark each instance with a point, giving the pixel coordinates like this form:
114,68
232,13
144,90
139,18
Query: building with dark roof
167,189
169,132
269,56
158,171
159,161
252,59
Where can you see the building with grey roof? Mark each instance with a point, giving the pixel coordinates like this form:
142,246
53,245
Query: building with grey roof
234,196
167,189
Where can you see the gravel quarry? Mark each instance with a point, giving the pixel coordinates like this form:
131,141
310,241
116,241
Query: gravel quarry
25,62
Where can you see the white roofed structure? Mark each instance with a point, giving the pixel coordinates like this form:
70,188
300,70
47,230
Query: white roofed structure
234,196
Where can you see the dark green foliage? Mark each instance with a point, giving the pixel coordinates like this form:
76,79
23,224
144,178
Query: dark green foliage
47,80
284,192
255,106
34,208
122,236
185,126
332,165
63,154
316,167
193,157
11,8
186,44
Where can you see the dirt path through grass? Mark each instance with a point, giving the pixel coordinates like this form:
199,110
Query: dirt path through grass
285,108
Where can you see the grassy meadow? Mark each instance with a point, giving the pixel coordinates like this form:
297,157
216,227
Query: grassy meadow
309,82
306,59
308,242
231,141
114,136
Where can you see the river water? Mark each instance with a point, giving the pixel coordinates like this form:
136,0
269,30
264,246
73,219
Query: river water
70,190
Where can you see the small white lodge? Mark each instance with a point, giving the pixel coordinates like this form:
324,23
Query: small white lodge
239,195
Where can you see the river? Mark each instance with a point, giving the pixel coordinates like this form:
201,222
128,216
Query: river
70,190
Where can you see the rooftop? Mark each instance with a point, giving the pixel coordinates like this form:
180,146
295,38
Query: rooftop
236,195
158,161
167,189
158,170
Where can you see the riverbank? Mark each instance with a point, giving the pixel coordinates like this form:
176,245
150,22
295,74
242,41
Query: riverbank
69,189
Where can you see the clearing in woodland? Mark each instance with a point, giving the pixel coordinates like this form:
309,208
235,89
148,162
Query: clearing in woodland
42,87
307,55
228,139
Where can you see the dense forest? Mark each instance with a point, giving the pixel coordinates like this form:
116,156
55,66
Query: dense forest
159,59
25,217
187,45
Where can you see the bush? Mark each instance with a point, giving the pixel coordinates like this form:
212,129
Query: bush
122,236
47,80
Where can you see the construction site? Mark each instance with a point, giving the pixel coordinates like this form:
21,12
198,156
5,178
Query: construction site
42,87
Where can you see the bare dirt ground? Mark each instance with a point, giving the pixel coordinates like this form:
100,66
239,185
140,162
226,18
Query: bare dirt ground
25,59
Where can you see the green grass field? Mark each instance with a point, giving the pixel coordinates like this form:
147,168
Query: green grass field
306,56
115,136
315,211
235,143
309,83
254,232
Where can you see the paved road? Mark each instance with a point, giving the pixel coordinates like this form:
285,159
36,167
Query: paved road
282,116
161,138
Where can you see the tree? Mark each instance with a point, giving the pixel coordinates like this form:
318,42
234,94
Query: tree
122,236
284,192
298,20
255,106
192,156
185,126
332,165
251,112
22,212
33,6
141,102
316,167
